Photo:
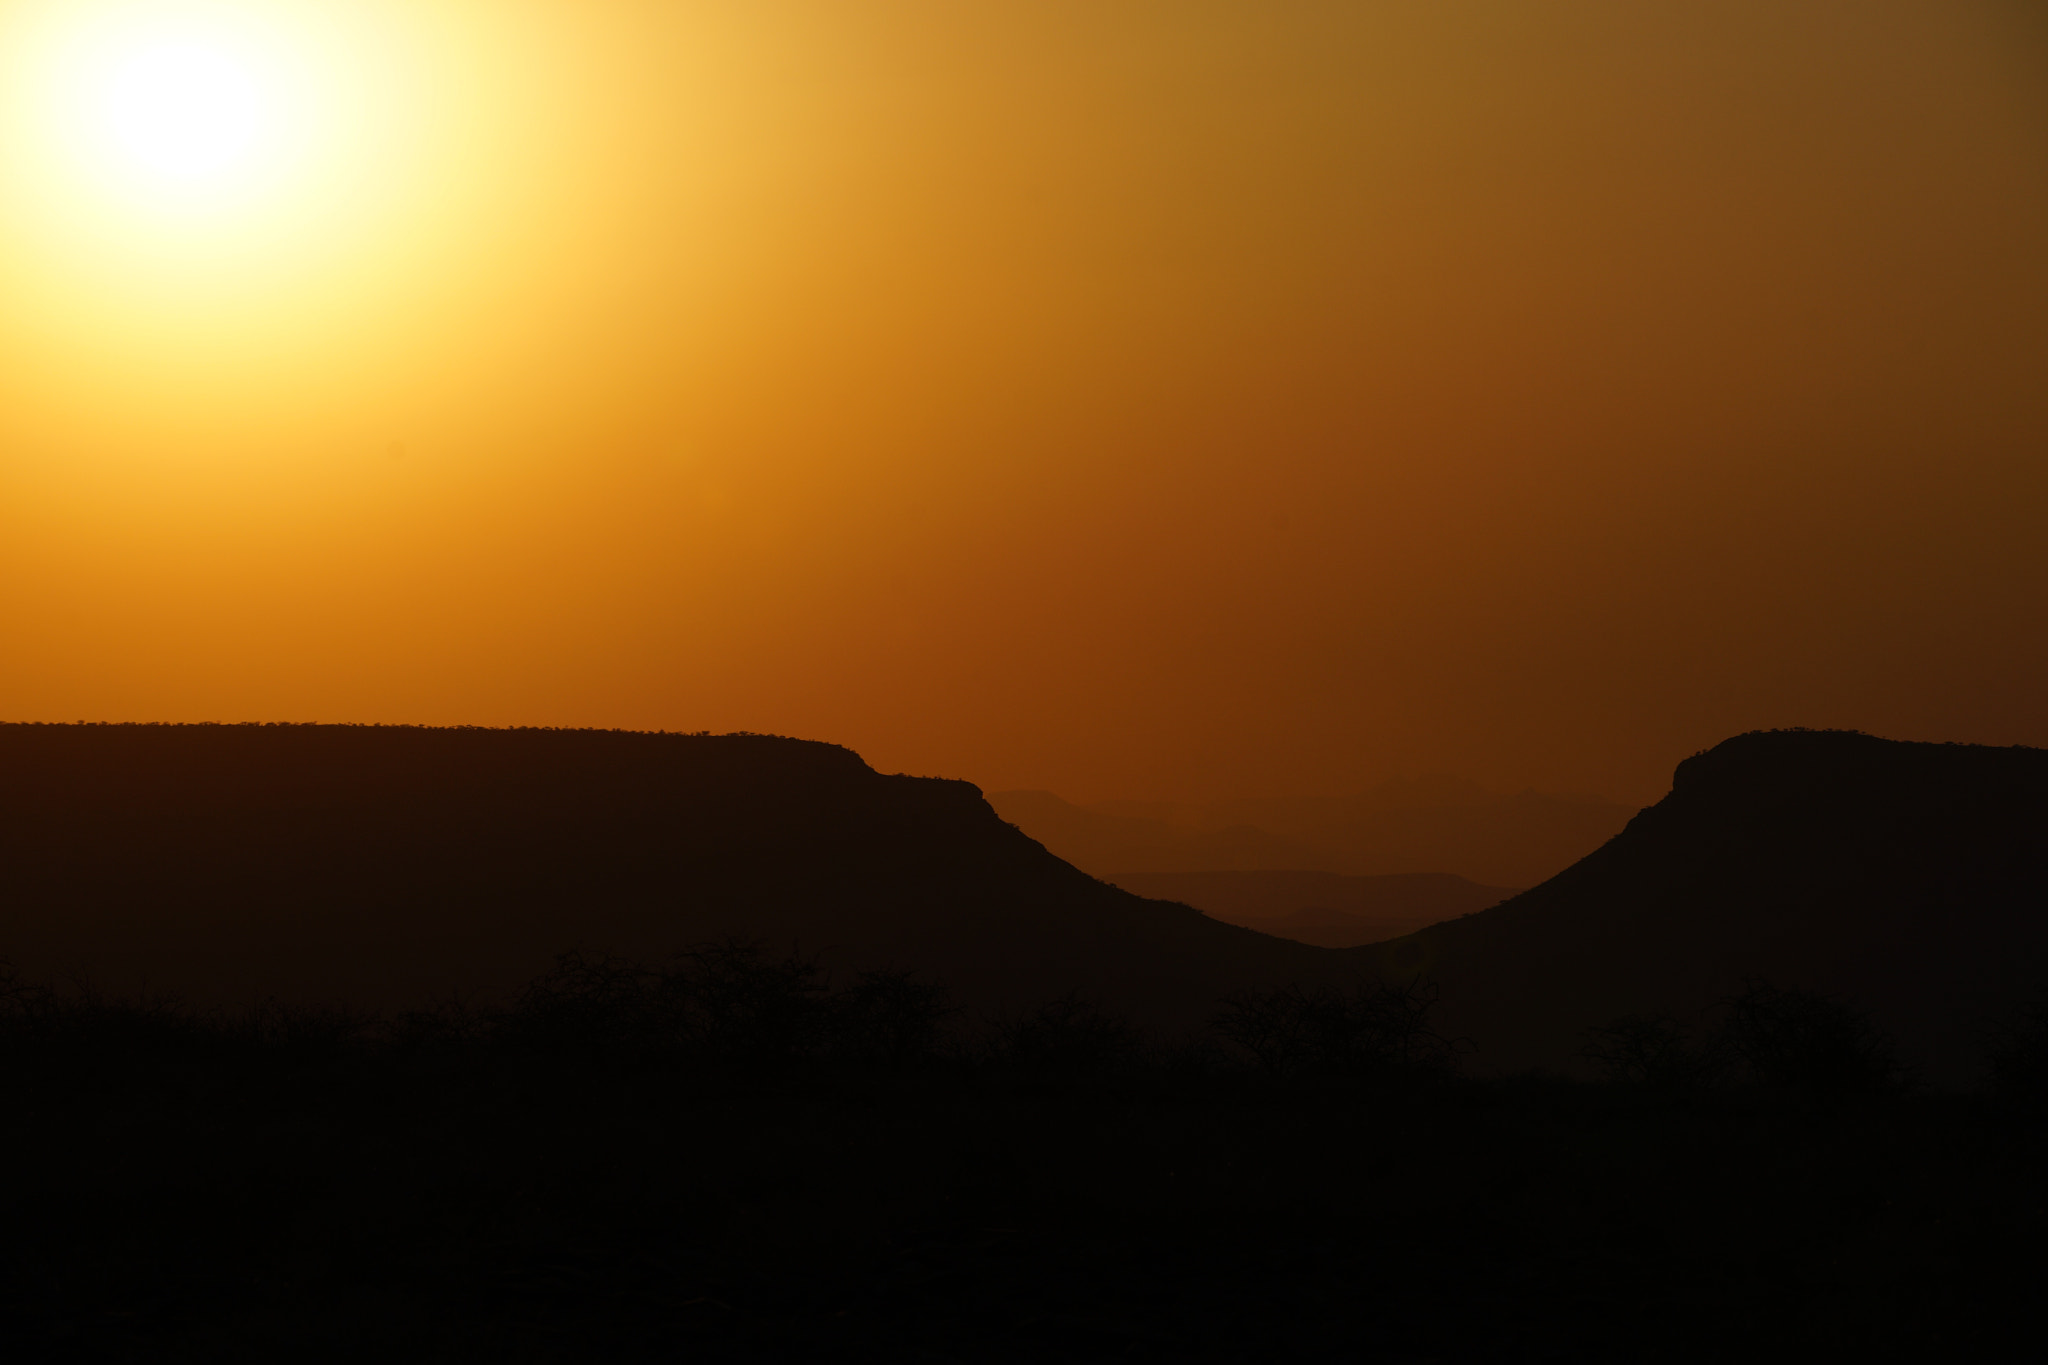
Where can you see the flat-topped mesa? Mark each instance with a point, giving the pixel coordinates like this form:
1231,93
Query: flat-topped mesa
1909,879
385,866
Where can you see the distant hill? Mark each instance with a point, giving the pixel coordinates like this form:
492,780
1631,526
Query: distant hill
1322,908
1909,879
1434,825
390,866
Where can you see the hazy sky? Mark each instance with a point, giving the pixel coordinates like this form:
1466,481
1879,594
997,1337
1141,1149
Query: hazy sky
1171,399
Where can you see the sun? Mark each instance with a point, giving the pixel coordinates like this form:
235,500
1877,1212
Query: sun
192,109
186,113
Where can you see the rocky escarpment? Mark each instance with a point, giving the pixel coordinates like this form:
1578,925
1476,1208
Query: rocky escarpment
390,866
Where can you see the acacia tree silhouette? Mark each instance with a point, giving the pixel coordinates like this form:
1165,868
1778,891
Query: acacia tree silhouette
892,1020
1369,1029
732,1004
1781,1038
2016,1052
1070,1038
1653,1051
1798,1041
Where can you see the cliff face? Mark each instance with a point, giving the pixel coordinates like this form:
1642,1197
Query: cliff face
1908,879
387,866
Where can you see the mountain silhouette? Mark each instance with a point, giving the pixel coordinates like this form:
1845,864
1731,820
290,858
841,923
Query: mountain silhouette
386,867
1443,825
1322,908
383,867
1908,880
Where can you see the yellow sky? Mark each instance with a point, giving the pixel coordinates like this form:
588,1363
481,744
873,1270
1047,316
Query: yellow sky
1164,399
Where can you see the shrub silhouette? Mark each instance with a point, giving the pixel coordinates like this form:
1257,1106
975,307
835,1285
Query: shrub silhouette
302,1036
1797,1041
1364,1030
1654,1051
79,1033
600,1005
1069,1039
743,1007
727,1003
446,1027
891,1020
2018,1056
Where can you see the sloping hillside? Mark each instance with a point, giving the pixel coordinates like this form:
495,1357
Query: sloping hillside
387,866
1908,879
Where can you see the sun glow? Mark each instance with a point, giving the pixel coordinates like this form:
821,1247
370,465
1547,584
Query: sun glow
188,112
182,109
211,178
229,213
211,125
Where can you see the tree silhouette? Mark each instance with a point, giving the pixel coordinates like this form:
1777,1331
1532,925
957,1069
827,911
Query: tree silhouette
1369,1029
1798,1041
1654,1051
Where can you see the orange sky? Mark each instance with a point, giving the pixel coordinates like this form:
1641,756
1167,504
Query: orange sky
1174,399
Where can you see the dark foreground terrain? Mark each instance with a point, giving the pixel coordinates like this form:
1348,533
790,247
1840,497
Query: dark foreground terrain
724,1160
1812,1139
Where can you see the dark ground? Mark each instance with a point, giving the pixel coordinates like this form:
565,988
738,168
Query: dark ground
286,1187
